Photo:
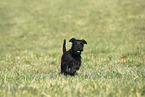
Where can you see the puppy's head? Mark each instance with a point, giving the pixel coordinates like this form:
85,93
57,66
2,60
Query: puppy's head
77,45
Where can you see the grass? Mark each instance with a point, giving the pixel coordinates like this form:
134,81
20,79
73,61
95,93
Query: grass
31,36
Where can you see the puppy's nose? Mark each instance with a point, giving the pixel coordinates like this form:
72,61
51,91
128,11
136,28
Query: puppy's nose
80,49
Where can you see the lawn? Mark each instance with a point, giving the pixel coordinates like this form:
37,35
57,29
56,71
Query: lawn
31,38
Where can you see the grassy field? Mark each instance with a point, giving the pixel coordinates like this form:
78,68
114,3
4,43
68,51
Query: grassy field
31,37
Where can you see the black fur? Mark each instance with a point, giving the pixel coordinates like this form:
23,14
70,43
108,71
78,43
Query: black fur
71,59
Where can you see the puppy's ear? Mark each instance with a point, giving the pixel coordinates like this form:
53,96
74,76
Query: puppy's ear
84,41
72,40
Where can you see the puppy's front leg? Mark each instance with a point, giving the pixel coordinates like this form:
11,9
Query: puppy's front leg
73,71
66,70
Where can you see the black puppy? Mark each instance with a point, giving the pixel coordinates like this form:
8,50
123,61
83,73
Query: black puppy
71,59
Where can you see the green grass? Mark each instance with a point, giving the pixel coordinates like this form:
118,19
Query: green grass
31,37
